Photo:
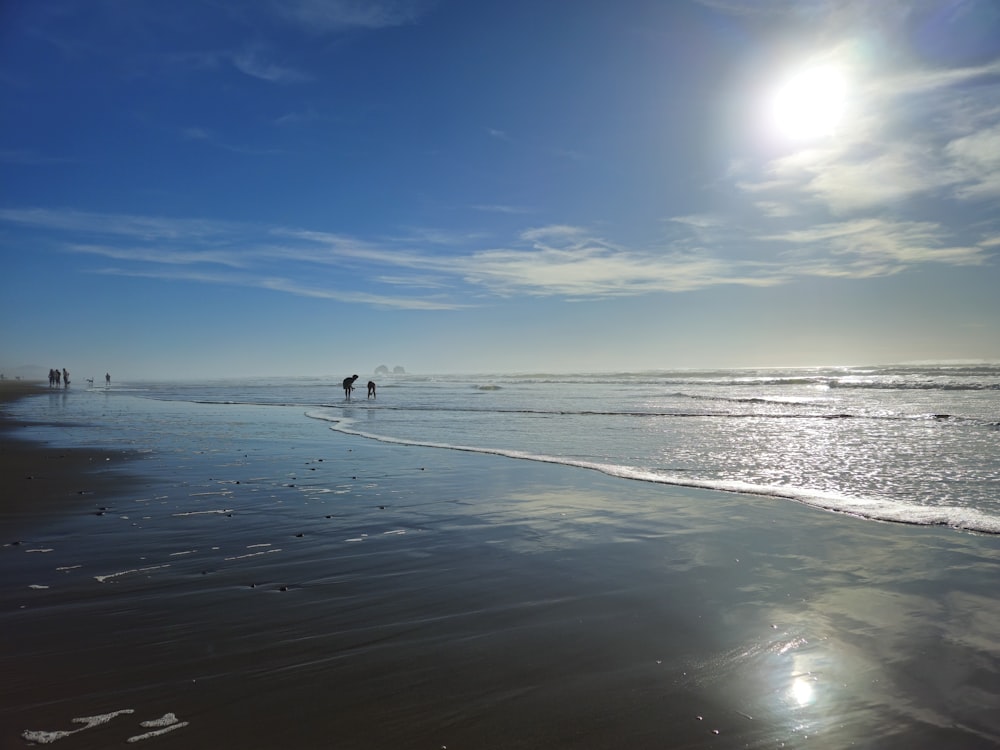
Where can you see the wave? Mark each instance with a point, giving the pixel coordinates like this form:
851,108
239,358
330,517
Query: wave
807,413
746,399
876,509
658,414
914,385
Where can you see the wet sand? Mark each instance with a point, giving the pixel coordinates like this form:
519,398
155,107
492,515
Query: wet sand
42,480
322,591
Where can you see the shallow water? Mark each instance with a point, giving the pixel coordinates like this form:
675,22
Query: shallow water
908,444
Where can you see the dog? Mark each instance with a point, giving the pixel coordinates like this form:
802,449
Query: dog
371,389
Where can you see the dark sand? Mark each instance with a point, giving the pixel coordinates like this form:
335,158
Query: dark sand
41,480
329,592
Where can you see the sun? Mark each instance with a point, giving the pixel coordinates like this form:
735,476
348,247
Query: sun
810,103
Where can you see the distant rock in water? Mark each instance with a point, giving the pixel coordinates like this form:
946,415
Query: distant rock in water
381,370
398,370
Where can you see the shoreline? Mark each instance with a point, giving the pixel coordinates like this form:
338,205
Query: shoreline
294,586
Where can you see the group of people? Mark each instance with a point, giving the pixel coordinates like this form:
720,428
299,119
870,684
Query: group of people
349,386
61,377
57,377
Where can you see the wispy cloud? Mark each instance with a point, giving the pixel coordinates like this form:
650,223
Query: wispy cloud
559,260
125,225
501,209
323,16
975,164
286,286
208,138
881,243
253,64
165,256
196,134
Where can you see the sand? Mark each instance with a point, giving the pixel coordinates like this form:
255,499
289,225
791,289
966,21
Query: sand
43,480
321,591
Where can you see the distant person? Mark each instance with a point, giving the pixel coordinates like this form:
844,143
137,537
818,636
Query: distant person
58,376
107,380
349,386
52,377
65,378
371,389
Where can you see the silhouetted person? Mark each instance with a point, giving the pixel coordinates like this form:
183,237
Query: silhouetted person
52,377
58,376
371,389
65,378
349,386
107,380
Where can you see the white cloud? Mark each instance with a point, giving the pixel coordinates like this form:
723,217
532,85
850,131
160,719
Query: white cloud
162,256
883,244
555,260
976,163
502,209
139,227
596,271
846,185
287,286
700,221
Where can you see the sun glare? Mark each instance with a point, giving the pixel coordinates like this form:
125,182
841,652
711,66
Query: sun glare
809,104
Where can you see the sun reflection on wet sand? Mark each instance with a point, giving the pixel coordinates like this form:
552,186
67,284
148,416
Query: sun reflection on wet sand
802,691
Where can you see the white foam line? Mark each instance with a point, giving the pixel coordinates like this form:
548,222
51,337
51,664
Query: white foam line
872,508
203,512
253,554
204,494
47,738
186,552
157,732
262,544
102,579
69,567
40,549
164,721
37,586
395,531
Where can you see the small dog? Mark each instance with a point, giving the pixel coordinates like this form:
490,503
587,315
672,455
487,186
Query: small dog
371,389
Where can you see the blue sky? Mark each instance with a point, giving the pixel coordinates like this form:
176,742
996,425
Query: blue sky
210,188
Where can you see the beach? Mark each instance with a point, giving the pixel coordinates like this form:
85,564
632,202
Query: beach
286,585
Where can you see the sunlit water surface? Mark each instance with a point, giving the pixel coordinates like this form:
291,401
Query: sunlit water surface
907,444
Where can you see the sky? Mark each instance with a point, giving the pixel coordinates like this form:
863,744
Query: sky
230,188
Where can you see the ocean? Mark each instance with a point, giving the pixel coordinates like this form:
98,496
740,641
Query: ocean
915,444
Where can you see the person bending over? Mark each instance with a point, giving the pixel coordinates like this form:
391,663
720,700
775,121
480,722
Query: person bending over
349,386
